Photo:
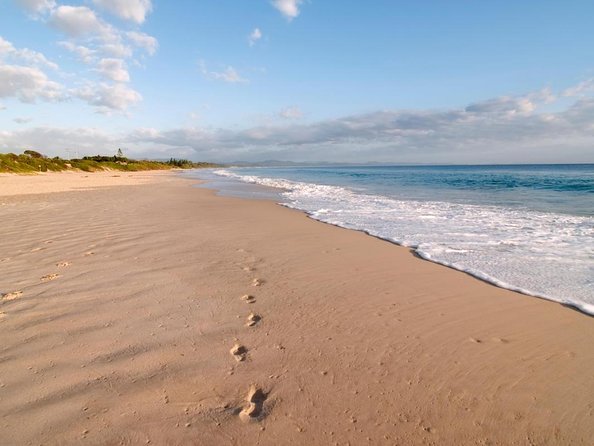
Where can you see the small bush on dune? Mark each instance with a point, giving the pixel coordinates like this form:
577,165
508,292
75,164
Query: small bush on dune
33,154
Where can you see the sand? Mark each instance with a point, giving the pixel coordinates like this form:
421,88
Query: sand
51,182
124,315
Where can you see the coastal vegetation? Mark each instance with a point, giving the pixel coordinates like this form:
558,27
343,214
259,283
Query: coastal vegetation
31,161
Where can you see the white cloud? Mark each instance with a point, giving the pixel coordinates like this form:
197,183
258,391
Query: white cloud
504,104
74,142
22,120
7,50
288,8
291,113
28,84
35,58
95,42
76,21
229,74
6,47
107,98
81,22
2,107
254,36
116,49
113,69
146,132
133,10
144,41
86,55
580,89
89,56
513,105
37,6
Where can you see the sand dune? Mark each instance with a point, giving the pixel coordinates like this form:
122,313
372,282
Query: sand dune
346,339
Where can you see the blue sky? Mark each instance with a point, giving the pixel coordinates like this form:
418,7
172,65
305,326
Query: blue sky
303,80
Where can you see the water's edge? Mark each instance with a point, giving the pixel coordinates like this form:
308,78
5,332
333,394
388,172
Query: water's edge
479,275
584,308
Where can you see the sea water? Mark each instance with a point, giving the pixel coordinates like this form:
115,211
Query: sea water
528,228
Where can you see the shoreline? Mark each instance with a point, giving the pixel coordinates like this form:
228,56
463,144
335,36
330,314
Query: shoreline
478,276
358,339
578,304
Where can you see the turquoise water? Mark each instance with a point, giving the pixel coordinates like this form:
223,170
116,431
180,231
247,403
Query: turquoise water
526,228
566,189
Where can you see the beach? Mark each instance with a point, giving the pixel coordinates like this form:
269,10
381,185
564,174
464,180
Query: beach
138,309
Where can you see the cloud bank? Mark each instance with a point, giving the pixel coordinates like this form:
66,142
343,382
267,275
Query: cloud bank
500,130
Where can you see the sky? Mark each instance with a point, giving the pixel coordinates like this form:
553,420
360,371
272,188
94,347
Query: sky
390,81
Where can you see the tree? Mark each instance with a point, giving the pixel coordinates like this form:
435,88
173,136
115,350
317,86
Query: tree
33,154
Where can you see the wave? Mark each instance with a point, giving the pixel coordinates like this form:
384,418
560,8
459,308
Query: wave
516,249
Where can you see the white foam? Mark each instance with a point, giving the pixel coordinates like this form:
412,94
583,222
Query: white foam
536,253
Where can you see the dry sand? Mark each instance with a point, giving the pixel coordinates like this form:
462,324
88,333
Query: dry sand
51,182
123,323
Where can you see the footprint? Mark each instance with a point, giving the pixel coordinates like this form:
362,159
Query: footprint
502,340
12,296
248,298
253,410
475,340
49,277
257,282
63,264
253,319
2,315
239,352
90,253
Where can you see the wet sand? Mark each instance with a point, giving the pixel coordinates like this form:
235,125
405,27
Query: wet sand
155,312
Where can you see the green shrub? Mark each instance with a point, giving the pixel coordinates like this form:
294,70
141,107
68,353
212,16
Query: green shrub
31,161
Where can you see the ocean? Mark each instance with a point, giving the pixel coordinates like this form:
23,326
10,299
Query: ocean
528,228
